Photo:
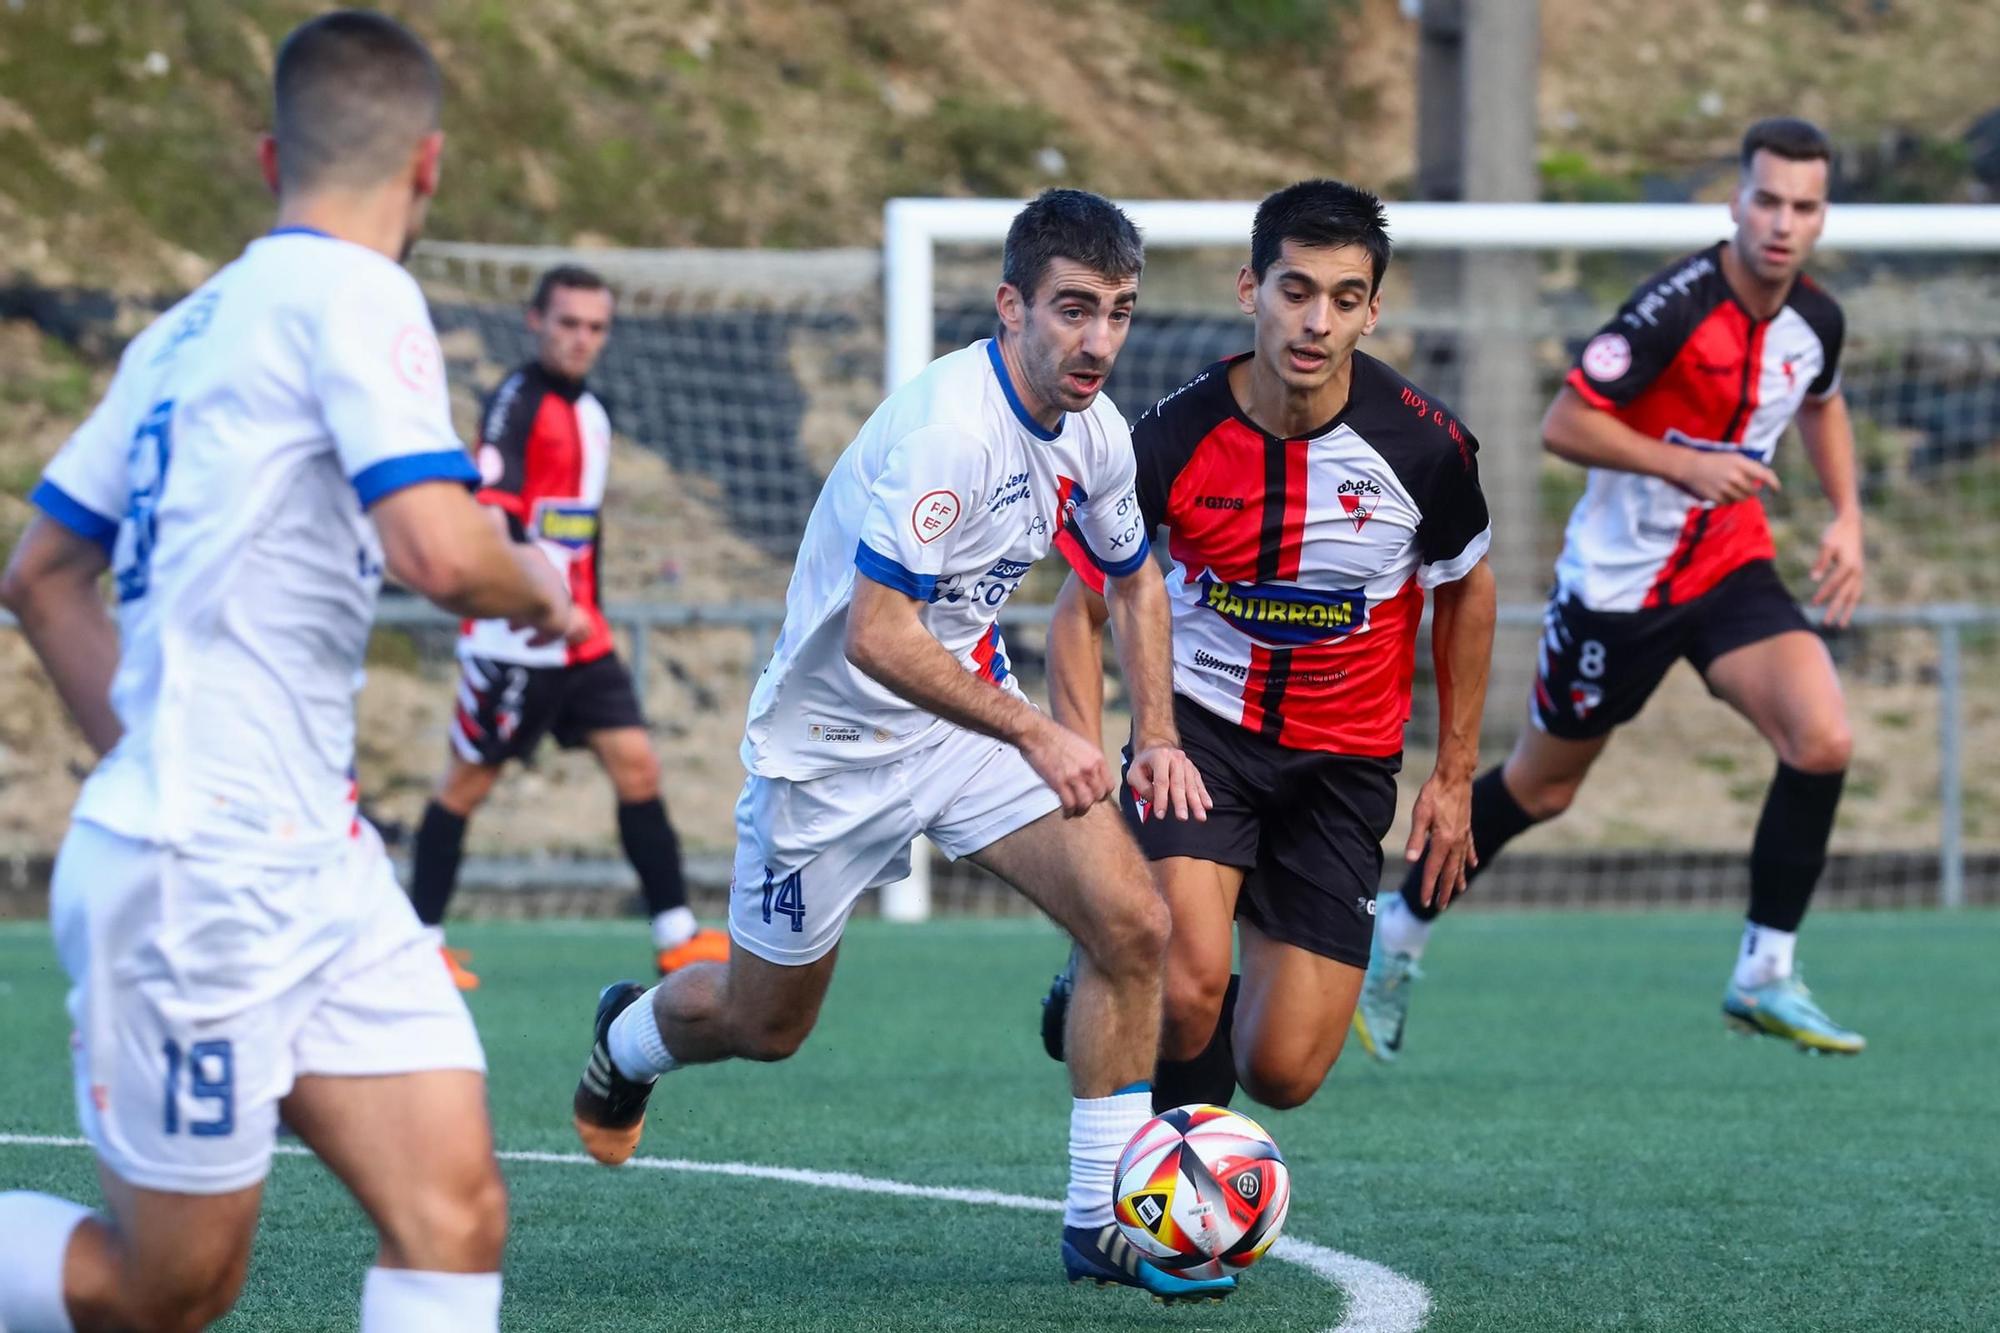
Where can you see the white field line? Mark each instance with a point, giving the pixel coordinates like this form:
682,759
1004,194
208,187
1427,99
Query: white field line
1379,1299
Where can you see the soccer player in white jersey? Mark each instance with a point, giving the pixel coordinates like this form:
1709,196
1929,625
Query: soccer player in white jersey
889,710
238,946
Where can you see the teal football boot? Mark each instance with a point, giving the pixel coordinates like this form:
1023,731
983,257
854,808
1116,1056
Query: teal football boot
1784,1008
1384,1005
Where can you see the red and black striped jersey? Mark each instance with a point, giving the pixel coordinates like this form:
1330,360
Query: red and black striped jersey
544,449
1298,565
1684,362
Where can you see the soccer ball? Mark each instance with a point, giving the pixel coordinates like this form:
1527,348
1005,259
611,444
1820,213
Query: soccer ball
1202,1191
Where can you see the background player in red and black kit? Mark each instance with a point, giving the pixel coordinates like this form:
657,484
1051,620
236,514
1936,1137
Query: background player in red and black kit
544,448
1676,407
1310,496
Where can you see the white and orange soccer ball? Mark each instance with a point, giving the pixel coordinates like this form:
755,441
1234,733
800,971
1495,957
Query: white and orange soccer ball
1202,1191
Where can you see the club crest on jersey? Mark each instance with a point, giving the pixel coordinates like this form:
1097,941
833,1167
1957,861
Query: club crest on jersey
566,523
935,515
1584,699
1282,616
1358,498
1607,357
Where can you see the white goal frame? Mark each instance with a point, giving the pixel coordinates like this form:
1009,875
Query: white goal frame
914,228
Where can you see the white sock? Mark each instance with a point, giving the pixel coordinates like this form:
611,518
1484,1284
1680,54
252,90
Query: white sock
1766,955
1398,929
403,1300
637,1047
37,1228
1099,1129
673,927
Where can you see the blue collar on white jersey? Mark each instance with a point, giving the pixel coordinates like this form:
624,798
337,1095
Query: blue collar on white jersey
299,231
1034,427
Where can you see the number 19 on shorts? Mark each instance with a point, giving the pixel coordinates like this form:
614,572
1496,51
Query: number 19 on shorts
209,1071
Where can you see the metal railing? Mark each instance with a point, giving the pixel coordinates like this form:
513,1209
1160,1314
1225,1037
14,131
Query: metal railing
1948,623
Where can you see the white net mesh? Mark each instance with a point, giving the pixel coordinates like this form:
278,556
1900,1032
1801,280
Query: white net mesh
735,378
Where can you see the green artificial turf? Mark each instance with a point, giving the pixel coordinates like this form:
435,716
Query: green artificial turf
1570,1142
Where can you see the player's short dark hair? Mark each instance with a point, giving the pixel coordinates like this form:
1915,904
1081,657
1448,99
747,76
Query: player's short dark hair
573,276
352,94
1076,225
1322,213
1789,137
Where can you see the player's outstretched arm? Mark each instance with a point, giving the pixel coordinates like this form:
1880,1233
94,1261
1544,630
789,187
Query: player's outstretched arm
439,542
887,641
51,587
1462,650
1575,431
1142,624
1076,658
1838,569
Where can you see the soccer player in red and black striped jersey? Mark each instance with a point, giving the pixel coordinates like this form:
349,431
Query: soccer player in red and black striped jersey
1311,496
1676,407
544,449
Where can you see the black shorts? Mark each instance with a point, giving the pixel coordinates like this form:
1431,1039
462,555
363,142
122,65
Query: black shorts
1307,826
505,709
1596,669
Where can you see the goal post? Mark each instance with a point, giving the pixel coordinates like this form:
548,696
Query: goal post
1511,329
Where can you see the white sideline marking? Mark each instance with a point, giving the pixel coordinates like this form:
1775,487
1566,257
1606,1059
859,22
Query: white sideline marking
1379,1299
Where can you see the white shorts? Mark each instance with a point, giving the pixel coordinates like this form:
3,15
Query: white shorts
806,851
201,989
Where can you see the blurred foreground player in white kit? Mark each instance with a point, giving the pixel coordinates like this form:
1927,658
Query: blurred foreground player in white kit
237,944
888,710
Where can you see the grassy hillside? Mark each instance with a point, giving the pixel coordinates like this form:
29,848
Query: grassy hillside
126,126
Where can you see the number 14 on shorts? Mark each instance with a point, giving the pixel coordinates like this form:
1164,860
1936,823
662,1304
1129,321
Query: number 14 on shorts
785,897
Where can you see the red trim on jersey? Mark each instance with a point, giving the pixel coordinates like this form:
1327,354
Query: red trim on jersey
1292,538
504,500
555,468
1253,687
1079,560
1216,505
984,654
1585,390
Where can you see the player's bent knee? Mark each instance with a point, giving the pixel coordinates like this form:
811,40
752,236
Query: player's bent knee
1825,749
1545,800
450,1227
1192,1007
1129,938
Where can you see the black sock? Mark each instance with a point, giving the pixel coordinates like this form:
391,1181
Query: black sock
1497,819
1209,1077
434,863
654,851
1789,851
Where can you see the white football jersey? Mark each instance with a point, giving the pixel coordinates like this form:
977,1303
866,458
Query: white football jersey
228,472
949,494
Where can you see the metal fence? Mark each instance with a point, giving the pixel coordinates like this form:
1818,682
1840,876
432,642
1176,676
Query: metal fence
1937,863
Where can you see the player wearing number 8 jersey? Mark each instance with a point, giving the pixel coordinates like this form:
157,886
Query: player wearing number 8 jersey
1676,406
889,709
237,943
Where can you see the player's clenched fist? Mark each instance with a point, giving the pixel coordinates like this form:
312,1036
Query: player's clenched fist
1071,765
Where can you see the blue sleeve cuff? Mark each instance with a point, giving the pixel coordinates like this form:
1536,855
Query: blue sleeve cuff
73,514
1129,565
390,475
891,574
